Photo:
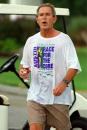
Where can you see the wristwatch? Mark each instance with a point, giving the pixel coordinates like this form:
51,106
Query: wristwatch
66,81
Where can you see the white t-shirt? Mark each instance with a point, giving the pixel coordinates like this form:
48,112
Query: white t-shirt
49,60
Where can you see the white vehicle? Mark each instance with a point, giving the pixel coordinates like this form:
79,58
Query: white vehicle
79,103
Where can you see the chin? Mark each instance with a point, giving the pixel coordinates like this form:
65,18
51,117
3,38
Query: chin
45,28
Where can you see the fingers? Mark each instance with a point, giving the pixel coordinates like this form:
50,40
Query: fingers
56,92
24,73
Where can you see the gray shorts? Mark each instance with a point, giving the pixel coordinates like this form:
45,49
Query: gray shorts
55,115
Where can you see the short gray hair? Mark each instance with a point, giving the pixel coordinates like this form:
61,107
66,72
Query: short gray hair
47,5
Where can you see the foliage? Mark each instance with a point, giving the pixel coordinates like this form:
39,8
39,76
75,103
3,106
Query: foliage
77,29
3,1
9,45
77,24
77,7
19,29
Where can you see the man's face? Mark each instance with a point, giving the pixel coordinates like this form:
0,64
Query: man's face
45,18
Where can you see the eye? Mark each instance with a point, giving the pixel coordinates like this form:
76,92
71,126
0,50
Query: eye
41,14
48,14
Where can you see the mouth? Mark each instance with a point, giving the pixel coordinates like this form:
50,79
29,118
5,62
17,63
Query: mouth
44,23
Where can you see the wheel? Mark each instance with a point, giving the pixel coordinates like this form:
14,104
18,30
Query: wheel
9,64
26,126
79,124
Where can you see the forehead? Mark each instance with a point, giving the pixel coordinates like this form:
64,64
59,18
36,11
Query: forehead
45,9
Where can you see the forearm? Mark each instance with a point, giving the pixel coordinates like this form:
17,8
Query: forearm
60,88
70,74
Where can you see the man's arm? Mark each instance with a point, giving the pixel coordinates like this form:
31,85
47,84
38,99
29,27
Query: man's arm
59,89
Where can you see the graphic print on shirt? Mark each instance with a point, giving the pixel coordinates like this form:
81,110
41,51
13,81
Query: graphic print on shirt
43,59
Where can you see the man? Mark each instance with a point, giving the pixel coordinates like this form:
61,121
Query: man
51,59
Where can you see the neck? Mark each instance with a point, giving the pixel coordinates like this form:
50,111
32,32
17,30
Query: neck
49,33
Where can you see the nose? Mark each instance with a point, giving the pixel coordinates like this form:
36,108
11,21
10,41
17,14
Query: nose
44,17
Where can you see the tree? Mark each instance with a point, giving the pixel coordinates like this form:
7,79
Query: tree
77,7
3,1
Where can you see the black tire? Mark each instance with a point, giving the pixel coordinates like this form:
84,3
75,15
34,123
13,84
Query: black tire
26,126
80,122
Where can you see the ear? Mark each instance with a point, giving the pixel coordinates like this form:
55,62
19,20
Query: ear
36,18
55,19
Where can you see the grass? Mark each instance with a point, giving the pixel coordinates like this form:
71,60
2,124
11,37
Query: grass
80,80
9,78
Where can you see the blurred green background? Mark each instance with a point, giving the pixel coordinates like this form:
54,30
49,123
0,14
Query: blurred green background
13,35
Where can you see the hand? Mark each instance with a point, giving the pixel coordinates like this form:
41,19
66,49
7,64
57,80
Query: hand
24,73
59,89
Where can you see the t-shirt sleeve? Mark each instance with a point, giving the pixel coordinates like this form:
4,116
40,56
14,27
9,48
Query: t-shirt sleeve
25,61
71,56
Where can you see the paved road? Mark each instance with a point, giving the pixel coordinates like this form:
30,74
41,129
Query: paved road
17,109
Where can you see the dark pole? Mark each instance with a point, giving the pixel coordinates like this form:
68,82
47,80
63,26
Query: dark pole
73,84
64,23
26,84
